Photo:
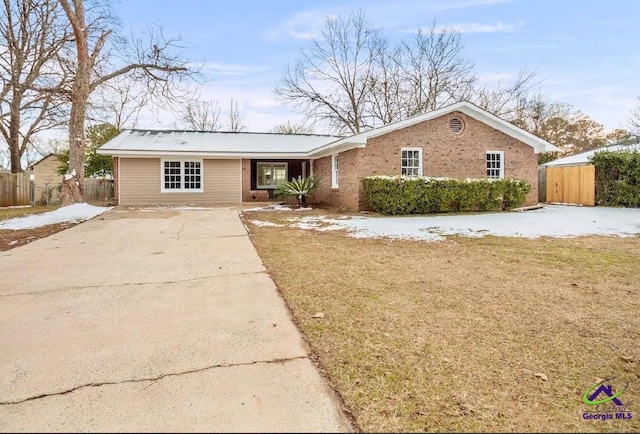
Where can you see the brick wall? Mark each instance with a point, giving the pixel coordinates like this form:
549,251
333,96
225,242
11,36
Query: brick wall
444,153
246,180
347,195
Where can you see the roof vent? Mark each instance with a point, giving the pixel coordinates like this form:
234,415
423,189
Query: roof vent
455,125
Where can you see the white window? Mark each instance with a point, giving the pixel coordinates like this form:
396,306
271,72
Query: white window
271,175
180,176
411,162
495,164
334,171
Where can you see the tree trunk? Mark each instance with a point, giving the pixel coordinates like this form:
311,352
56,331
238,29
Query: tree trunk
73,182
14,135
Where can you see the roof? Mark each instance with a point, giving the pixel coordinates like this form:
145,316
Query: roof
583,158
271,145
539,145
214,143
42,159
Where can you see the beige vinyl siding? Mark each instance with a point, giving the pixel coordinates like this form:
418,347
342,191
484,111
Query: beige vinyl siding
140,180
46,172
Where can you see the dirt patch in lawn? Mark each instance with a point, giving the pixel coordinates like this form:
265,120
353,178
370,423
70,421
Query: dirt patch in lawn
11,239
491,334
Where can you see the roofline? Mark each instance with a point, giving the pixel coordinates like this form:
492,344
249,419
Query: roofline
201,154
605,148
538,144
150,130
50,154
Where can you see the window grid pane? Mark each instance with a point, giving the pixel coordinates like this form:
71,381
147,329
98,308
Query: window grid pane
410,162
192,175
172,175
494,165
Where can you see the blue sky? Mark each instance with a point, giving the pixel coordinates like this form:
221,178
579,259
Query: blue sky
585,52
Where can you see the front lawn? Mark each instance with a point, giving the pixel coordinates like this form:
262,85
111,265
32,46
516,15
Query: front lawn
489,334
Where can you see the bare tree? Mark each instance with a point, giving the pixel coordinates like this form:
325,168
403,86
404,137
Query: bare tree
434,71
292,128
117,102
236,120
353,79
634,120
96,63
32,35
507,98
330,81
386,95
202,115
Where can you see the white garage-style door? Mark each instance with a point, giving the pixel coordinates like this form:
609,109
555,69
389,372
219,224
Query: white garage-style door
172,180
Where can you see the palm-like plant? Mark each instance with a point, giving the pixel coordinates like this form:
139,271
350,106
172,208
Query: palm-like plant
299,188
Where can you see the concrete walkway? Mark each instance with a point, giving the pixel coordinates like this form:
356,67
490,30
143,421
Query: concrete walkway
160,320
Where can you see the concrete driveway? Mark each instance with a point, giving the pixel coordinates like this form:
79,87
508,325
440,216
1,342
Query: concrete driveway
152,320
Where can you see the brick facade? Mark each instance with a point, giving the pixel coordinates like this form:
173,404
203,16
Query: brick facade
444,153
348,194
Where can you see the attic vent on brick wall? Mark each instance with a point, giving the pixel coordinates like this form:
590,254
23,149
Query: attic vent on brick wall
456,125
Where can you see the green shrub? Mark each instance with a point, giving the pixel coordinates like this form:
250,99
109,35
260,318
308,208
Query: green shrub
617,178
398,195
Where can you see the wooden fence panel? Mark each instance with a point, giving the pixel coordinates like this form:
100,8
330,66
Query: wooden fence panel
542,184
15,189
98,190
574,184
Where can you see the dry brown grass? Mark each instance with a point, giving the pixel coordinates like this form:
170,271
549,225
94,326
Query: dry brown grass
448,336
9,212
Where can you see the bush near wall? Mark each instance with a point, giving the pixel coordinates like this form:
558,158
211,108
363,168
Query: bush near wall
397,195
617,178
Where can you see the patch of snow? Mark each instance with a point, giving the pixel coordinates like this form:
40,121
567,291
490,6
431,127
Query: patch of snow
266,224
13,242
73,213
551,221
276,207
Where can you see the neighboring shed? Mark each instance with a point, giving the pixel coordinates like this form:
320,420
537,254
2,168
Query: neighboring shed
46,180
572,179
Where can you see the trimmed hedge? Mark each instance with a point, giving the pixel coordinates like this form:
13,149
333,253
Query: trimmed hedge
617,178
397,195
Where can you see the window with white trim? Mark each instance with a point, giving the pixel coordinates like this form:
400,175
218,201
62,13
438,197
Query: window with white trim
181,176
271,175
334,171
495,164
411,162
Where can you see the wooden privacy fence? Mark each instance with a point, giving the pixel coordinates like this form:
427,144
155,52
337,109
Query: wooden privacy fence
98,190
15,189
573,184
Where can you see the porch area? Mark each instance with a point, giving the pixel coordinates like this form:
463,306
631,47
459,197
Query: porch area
260,177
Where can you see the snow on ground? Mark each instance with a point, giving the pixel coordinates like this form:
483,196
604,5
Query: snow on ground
551,221
277,207
73,213
265,224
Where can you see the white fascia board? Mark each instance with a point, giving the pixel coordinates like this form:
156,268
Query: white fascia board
336,149
539,145
208,155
